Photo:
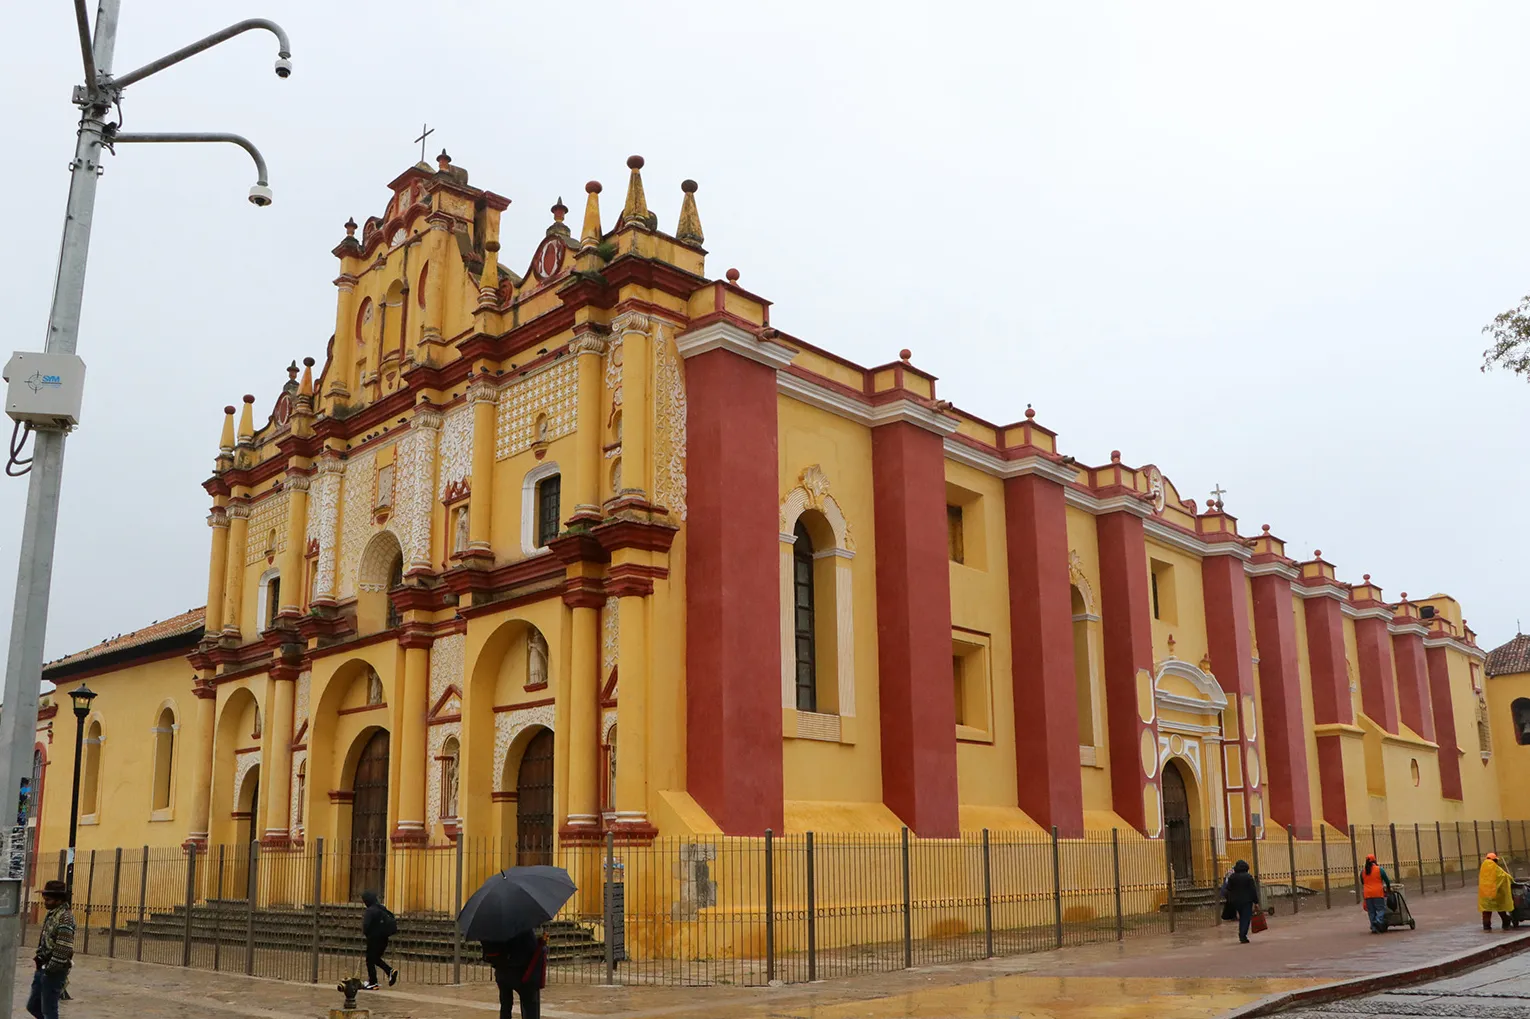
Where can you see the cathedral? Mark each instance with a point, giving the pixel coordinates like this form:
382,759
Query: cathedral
575,543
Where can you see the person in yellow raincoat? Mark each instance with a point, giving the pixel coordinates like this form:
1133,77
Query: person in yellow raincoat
1495,893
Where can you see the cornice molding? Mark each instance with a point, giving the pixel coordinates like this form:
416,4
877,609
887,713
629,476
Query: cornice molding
1324,590
1176,538
1354,612
729,337
1272,570
861,412
997,466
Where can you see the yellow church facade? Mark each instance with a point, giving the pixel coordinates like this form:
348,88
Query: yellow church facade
593,549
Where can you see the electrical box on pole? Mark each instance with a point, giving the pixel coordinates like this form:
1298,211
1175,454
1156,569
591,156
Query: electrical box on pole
44,389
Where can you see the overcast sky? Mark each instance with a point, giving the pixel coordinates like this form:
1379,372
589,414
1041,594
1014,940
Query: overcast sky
1252,244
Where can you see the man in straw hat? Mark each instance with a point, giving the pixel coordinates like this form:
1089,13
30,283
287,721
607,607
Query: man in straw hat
55,952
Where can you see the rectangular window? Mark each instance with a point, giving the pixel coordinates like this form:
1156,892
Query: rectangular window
954,542
273,601
970,686
1155,595
549,493
956,674
803,625
1164,605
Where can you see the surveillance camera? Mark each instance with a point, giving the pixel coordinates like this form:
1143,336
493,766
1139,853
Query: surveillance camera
283,67
260,195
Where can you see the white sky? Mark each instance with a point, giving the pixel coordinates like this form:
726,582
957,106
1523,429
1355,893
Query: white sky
1252,244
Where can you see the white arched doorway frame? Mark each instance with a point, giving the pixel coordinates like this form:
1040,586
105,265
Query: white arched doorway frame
1196,745
812,493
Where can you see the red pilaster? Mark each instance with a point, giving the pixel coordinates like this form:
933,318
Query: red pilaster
1280,695
1378,690
1229,645
733,641
1126,621
1413,683
1330,701
1438,659
918,718
1041,630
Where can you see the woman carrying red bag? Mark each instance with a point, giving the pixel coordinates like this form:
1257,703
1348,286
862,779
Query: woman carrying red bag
520,967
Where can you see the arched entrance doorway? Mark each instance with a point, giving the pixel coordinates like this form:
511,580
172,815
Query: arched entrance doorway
369,817
534,802
1176,823
246,828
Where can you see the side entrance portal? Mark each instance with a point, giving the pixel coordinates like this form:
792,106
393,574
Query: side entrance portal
369,818
1176,824
534,802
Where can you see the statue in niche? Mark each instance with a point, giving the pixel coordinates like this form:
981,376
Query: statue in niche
536,659
374,688
543,429
460,540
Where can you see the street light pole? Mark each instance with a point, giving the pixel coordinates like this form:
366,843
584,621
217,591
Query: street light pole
81,696
23,671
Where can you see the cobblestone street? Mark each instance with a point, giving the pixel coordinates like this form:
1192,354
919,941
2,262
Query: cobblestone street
1193,975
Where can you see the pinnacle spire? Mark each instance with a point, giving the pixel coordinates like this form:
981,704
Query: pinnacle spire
689,229
635,211
226,442
306,387
590,234
247,419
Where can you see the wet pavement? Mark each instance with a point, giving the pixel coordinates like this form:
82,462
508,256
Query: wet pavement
1195,974
1498,991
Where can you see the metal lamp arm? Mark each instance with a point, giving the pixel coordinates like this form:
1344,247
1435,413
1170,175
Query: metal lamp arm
260,194
283,63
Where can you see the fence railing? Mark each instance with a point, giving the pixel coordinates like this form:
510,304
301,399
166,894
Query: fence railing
707,910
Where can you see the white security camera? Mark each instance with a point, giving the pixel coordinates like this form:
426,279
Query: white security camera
283,67
260,195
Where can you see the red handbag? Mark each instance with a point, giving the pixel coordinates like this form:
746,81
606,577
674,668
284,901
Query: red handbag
1260,924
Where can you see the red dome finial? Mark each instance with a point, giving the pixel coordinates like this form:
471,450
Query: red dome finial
634,162
1265,528
1366,577
592,187
905,354
248,398
1030,413
1115,456
732,274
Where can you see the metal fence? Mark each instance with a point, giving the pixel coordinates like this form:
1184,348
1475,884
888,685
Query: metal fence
724,910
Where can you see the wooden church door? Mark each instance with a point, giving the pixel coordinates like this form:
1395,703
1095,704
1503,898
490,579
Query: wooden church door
1176,823
534,802
369,818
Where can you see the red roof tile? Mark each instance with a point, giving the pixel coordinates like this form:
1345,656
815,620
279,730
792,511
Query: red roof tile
1511,657
175,626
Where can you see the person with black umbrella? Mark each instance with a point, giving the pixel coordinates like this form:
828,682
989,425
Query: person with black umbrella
504,914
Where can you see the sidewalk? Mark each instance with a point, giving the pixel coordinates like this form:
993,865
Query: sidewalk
1193,975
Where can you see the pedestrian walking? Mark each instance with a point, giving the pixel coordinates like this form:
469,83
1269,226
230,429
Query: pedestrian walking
1240,894
1375,885
520,967
378,924
1495,893
55,952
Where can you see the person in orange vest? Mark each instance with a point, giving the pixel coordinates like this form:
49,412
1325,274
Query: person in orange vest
1374,886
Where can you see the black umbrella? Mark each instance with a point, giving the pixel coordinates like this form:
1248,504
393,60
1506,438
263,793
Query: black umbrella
514,901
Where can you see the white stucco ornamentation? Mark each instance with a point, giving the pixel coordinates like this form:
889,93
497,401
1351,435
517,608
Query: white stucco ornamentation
669,423
456,448
552,391
294,813
446,657
414,485
610,625
323,517
812,493
267,534
242,765
1078,579
510,724
356,527
437,738
300,699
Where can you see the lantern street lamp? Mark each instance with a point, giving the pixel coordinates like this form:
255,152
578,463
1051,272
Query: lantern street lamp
81,695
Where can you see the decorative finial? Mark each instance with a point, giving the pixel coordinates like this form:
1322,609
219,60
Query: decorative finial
559,210
226,442
1115,456
905,354
247,419
1265,528
689,229
1030,412
350,227
1171,645
732,275
306,389
443,161
292,372
1366,578
590,234
635,212
1405,596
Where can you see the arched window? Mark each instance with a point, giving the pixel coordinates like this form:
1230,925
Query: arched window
90,782
1520,710
1082,680
164,758
450,758
302,793
541,507
395,580
802,619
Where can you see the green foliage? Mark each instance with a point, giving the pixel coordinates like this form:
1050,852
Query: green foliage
1510,332
606,250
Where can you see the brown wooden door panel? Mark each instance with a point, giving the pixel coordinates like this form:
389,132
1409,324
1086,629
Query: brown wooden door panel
534,802
369,818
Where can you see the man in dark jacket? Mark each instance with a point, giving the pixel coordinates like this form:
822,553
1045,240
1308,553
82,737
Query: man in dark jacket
377,926
1242,896
520,967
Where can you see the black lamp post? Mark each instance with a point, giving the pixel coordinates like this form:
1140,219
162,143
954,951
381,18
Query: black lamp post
81,695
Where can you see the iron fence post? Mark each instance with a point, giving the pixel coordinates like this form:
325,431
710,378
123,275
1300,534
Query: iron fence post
1354,860
812,912
1168,869
1327,889
1493,832
251,882
1253,850
218,917
770,906
908,910
111,934
1508,833
1477,839
1296,902
90,887
608,910
143,895
191,901
987,897
1460,855
1115,866
1057,911
1392,833
318,905
1216,868
1418,846
1439,838
456,910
